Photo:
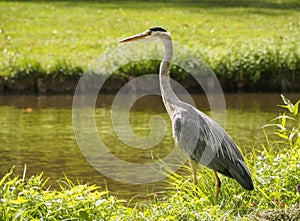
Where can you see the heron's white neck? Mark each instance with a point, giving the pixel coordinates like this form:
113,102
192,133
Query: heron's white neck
168,95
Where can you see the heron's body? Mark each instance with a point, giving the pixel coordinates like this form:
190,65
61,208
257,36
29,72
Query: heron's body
199,137
212,147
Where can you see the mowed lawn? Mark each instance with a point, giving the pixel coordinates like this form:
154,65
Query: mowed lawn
79,31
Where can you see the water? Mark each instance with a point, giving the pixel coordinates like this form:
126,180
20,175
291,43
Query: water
37,131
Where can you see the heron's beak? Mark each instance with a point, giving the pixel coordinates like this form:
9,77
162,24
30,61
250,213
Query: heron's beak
136,37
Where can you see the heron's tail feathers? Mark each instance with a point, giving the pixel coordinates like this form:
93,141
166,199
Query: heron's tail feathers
240,173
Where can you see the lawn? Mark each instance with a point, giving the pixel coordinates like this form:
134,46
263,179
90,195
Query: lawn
44,36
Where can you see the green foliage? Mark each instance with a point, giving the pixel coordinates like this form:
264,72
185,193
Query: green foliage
24,70
263,64
146,67
280,166
28,199
64,70
288,126
30,71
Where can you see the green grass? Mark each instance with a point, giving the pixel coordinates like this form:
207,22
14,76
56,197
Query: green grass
241,40
274,168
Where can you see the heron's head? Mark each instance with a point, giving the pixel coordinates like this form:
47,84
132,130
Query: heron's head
156,32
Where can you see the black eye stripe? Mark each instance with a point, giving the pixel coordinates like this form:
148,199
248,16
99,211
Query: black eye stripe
158,29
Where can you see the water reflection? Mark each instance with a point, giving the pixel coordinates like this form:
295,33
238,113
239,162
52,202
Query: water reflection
43,138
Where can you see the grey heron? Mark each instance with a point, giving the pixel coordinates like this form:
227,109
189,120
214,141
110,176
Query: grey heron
198,136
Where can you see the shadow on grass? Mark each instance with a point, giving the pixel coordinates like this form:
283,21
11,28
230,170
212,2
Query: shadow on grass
260,4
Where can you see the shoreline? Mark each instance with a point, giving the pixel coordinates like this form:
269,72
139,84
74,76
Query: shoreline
66,86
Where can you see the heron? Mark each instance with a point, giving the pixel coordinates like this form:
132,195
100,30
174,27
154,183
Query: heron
201,138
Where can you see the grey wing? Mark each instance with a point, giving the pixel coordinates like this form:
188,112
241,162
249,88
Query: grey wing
205,141
230,162
185,131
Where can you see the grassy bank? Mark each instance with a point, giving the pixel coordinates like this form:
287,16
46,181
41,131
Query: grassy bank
248,44
275,170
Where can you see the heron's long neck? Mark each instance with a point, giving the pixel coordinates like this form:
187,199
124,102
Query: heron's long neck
168,95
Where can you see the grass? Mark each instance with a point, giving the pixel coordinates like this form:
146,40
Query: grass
274,168
242,40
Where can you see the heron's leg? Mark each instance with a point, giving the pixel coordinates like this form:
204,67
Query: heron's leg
218,184
194,165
